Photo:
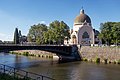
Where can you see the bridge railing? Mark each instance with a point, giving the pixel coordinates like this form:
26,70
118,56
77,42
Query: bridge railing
29,45
21,74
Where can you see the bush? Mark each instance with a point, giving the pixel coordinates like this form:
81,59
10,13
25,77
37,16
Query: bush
97,60
105,60
114,62
84,59
38,55
118,61
12,52
26,53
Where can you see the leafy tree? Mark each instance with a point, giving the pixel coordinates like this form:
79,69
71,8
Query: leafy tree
16,36
109,32
59,31
54,34
116,33
36,33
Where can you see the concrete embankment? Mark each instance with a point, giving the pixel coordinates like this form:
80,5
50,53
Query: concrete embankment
100,54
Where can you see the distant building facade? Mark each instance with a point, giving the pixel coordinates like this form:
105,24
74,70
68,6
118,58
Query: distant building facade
82,32
22,38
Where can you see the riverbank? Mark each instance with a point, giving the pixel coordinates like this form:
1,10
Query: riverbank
8,77
35,53
100,54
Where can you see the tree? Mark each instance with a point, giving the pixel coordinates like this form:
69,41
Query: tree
16,36
54,34
109,32
58,31
116,33
36,33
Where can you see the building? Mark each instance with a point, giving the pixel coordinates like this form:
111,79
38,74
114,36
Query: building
82,32
22,38
1,42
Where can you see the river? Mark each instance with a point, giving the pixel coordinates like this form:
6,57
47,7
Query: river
63,71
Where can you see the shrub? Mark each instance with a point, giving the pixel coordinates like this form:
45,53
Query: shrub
26,53
46,56
109,62
118,61
105,60
114,62
31,54
97,60
38,55
19,53
84,59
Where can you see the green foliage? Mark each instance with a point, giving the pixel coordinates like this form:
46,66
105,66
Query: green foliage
97,60
12,52
110,32
8,77
114,62
54,34
85,59
58,31
16,36
118,61
106,61
36,33
26,53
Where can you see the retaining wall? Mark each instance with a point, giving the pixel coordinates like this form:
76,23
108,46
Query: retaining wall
91,53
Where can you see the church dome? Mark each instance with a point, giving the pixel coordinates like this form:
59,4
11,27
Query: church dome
82,18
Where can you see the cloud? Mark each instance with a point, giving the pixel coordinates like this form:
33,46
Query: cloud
1,34
42,22
5,37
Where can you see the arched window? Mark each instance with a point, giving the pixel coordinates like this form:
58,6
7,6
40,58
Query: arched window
74,39
85,35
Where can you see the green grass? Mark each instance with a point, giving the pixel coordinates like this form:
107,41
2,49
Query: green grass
8,77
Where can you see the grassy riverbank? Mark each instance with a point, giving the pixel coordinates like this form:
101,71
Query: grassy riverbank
8,77
40,54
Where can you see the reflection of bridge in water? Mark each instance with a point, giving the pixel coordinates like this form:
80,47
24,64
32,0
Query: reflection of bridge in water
64,52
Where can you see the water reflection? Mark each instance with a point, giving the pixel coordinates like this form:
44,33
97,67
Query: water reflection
65,71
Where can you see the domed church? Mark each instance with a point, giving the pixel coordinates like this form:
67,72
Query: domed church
82,32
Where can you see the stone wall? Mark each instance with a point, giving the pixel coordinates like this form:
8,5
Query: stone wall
91,53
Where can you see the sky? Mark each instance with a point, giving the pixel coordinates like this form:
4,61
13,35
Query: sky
25,13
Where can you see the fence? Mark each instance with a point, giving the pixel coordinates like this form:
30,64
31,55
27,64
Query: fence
21,74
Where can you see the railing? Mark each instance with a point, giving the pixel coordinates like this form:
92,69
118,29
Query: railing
32,45
21,74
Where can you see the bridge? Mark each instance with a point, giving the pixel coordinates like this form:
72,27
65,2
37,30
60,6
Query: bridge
63,51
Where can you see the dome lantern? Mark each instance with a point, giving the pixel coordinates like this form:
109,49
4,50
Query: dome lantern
82,11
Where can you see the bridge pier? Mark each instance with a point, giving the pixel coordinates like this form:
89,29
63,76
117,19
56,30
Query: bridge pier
75,56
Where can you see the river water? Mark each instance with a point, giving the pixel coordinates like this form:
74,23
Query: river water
63,71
